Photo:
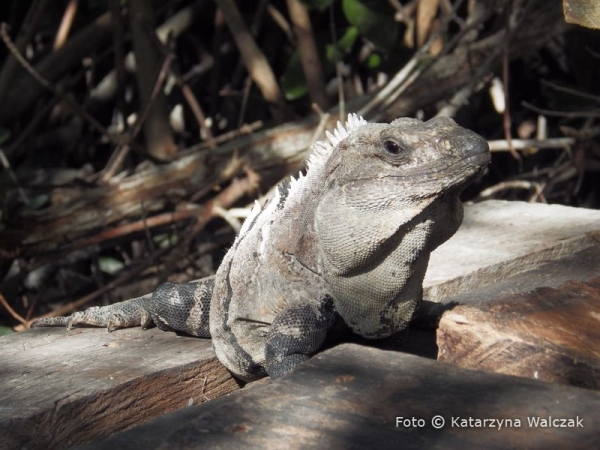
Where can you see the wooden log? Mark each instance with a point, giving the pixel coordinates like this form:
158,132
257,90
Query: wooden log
550,334
359,397
62,388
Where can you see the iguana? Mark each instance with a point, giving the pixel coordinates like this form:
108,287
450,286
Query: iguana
348,243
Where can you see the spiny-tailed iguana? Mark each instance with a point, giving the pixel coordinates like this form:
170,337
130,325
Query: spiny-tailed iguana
347,243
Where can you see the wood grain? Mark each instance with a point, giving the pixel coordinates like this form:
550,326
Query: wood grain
62,388
550,334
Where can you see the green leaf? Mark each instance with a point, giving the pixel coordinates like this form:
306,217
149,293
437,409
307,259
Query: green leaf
343,47
110,265
373,61
293,82
374,20
5,330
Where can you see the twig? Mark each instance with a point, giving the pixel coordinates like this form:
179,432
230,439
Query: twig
216,72
32,125
574,92
462,96
6,164
515,184
254,59
233,221
222,138
121,231
158,84
146,223
245,96
259,16
25,91
174,26
65,24
593,113
197,111
114,164
323,120
192,101
282,23
396,5
11,311
522,144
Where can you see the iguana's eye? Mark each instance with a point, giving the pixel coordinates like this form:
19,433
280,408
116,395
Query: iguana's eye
392,147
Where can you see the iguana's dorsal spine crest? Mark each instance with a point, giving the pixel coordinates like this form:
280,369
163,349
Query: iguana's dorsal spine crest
321,151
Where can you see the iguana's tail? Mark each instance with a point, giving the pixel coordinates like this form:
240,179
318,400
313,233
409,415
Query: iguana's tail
181,307
49,322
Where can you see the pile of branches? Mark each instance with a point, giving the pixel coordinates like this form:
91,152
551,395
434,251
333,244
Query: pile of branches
132,133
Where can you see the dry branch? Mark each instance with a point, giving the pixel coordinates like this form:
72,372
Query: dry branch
311,65
159,136
254,59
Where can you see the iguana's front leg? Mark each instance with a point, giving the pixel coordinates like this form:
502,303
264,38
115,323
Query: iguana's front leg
294,336
172,307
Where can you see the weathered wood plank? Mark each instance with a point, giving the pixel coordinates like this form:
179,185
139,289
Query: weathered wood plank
551,334
62,388
353,396
580,266
499,238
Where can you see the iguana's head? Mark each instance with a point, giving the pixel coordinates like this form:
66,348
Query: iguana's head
420,159
390,197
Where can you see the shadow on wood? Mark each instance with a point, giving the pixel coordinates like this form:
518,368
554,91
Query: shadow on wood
359,397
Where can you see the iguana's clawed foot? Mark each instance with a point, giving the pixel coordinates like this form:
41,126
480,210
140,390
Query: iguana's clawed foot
294,336
146,320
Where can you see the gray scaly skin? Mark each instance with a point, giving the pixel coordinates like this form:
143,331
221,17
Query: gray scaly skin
348,244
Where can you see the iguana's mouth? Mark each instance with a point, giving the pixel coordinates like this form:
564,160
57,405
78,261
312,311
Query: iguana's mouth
480,159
